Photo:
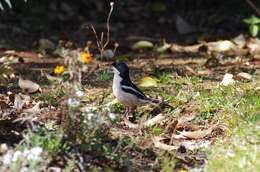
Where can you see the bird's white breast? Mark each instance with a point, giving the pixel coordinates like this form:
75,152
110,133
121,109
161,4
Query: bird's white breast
123,97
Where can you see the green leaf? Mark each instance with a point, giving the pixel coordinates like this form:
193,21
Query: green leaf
252,20
142,45
163,48
148,82
254,30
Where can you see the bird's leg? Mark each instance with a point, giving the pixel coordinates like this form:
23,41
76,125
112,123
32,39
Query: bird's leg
131,111
126,111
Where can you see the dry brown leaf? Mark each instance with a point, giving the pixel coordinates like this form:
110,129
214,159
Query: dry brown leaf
187,49
34,110
199,134
189,71
221,46
3,105
253,45
28,86
244,76
158,144
130,124
206,72
184,119
52,78
158,118
18,102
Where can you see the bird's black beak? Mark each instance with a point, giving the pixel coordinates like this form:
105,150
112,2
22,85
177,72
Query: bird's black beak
114,64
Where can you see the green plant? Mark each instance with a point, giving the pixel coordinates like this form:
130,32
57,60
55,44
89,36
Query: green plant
104,75
52,97
254,25
48,140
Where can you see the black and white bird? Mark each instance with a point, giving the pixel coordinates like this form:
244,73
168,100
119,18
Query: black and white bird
126,91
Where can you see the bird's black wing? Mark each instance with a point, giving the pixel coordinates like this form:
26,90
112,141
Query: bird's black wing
131,88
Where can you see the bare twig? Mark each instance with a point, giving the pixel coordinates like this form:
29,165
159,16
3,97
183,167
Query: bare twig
95,33
108,19
252,5
100,42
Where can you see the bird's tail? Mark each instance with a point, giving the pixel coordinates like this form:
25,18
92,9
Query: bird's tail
160,103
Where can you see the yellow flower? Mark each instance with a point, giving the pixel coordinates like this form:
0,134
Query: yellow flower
59,70
86,57
182,170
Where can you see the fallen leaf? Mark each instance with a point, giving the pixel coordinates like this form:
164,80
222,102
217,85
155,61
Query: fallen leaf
175,48
158,144
158,118
18,102
189,71
227,80
34,110
28,86
199,134
196,144
52,78
206,72
221,46
244,76
3,105
240,40
148,82
46,44
163,48
142,45
253,45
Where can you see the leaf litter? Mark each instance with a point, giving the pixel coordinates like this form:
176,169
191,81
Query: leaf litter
179,133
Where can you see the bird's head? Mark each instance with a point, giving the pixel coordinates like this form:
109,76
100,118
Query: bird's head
121,69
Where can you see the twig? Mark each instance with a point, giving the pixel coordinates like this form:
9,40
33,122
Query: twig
95,33
108,19
100,42
252,5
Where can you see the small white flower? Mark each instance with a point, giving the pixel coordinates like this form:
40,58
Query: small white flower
16,155
230,153
7,158
79,93
87,110
26,152
227,80
100,120
36,151
112,116
90,115
24,169
33,154
197,94
73,102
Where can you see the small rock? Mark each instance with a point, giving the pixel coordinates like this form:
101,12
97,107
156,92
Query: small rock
108,54
244,76
3,148
46,44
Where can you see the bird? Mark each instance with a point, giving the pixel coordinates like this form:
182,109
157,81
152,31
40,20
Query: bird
126,92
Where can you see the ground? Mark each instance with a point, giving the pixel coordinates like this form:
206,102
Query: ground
210,126
57,110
